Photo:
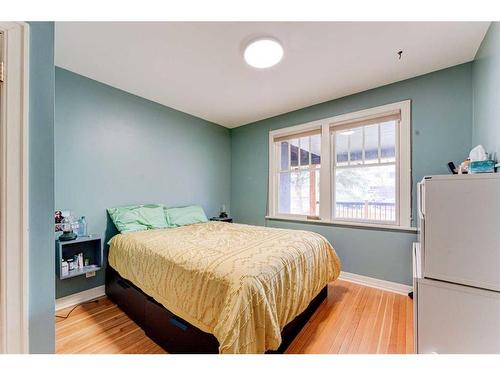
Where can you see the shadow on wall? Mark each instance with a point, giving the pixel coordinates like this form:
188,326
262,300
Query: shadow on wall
110,232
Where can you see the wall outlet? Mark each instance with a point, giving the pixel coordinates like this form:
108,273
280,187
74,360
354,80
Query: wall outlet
90,274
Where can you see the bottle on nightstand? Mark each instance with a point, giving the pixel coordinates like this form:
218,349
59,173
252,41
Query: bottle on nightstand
64,268
82,227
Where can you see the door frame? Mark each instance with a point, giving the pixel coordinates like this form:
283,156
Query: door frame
14,106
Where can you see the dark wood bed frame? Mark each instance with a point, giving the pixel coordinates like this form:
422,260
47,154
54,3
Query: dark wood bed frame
174,334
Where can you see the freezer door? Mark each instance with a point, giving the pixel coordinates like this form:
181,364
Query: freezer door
462,230
455,319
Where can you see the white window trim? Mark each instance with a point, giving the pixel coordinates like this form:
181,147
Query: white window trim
273,153
340,223
403,163
14,190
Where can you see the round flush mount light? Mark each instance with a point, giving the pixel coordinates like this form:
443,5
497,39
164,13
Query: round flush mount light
263,53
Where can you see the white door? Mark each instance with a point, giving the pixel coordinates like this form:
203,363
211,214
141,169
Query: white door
462,229
13,189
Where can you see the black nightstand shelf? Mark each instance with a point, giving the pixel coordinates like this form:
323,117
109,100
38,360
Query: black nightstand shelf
224,219
91,247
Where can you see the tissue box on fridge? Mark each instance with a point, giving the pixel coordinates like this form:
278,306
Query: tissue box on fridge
483,166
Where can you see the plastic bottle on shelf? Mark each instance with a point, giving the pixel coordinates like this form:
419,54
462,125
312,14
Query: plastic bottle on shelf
64,268
82,227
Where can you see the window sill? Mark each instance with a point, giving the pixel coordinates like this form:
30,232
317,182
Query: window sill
395,228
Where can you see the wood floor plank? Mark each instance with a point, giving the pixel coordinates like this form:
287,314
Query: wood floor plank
143,346
94,322
346,321
82,320
394,326
311,339
385,332
82,311
308,331
353,319
376,337
364,331
120,327
120,344
352,327
315,340
80,344
409,326
369,345
401,338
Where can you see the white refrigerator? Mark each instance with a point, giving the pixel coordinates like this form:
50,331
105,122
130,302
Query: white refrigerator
456,265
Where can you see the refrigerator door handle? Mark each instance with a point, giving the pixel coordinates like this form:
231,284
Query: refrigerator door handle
417,261
421,207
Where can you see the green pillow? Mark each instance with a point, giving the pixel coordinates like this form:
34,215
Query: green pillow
179,216
138,217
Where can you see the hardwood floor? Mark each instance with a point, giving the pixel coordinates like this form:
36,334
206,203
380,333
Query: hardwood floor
358,319
100,327
354,319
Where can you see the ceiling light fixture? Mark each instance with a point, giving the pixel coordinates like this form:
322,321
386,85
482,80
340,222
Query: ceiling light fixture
263,53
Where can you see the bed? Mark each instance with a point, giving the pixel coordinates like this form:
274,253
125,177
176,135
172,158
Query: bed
220,287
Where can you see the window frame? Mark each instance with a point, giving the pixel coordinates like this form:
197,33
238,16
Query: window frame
327,166
396,164
274,168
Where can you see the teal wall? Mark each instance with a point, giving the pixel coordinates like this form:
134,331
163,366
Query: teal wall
486,89
114,148
441,132
41,188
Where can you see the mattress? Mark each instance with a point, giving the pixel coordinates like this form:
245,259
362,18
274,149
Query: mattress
241,283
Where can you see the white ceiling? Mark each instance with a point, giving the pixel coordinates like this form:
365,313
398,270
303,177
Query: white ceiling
198,68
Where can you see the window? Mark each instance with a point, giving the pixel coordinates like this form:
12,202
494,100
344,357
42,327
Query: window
364,172
299,163
358,163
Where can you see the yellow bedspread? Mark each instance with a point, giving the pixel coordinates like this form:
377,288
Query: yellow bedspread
241,283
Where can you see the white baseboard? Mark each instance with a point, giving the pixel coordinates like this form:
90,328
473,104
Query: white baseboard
75,299
376,283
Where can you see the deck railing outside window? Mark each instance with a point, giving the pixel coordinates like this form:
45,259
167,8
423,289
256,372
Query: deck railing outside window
376,211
